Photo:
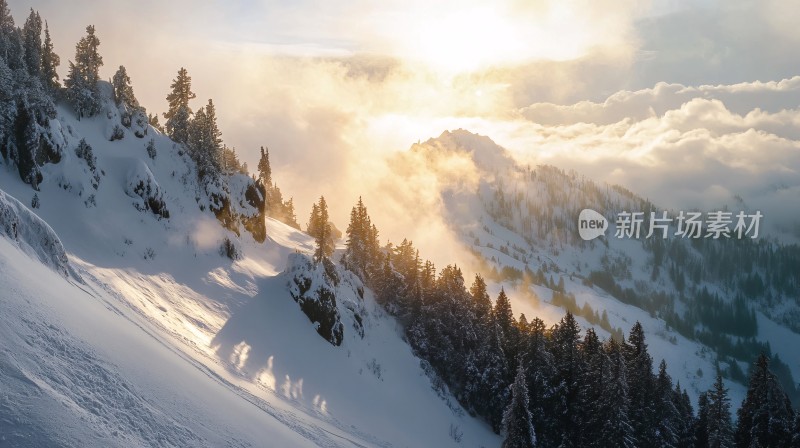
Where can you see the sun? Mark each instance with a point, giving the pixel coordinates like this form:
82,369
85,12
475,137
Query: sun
465,40
473,37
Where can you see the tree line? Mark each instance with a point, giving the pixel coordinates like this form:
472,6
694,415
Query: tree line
553,386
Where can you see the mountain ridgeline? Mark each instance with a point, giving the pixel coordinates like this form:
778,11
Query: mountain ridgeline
707,290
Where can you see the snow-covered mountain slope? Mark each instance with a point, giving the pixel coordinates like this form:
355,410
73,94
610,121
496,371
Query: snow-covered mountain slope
167,342
521,223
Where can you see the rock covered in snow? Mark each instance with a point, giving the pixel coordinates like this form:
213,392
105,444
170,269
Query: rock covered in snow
34,236
141,185
316,286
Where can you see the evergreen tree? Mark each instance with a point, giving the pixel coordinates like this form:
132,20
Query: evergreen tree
450,328
615,403
205,143
796,437
538,362
123,91
685,428
264,170
517,425
179,115
11,40
132,114
151,149
194,139
483,303
323,238
84,74
639,366
313,227
701,424
152,120
667,418
720,429
230,161
362,247
593,381
50,63
486,388
7,31
276,207
213,136
766,417
566,383
508,328
32,33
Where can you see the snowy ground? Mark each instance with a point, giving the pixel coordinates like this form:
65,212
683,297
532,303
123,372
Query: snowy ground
163,342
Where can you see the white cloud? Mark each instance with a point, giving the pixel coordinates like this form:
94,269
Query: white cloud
680,146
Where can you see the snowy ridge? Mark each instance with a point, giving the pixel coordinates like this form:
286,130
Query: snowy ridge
196,349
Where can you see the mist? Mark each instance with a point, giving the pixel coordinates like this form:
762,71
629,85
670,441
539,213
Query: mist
336,93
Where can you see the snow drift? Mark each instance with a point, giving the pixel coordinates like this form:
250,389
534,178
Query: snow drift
32,235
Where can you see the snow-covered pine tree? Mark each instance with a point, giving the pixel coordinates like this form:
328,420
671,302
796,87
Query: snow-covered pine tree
152,120
480,296
25,106
685,428
592,382
7,29
132,114
32,35
517,424
50,63
615,404
81,82
288,215
212,137
486,389
362,253
720,429
504,317
323,238
230,161
179,114
313,226
205,143
123,91
539,364
85,152
194,140
566,383
11,40
766,417
486,386
701,423
151,149
264,169
450,327
667,418
639,373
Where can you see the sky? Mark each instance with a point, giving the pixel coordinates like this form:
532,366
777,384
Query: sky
688,103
